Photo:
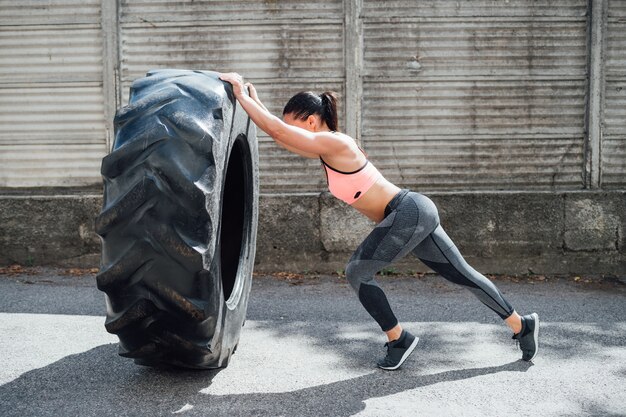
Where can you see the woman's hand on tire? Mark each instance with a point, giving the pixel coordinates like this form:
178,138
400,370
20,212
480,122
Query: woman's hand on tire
236,80
253,94
252,91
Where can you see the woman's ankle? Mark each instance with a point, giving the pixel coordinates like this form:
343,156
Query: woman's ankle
394,333
514,321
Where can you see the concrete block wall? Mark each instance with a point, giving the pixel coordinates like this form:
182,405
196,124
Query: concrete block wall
49,229
497,232
576,232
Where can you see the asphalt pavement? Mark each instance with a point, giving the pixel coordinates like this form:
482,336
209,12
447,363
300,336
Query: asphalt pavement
309,349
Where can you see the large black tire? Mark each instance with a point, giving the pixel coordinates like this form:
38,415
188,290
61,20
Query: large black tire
179,221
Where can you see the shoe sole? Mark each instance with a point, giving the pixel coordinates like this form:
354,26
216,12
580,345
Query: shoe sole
535,335
403,358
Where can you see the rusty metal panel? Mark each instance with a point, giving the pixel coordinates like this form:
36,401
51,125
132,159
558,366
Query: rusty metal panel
613,153
472,95
137,11
279,46
474,8
50,54
44,129
255,50
474,48
51,164
54,114
50,12
476,133
52,130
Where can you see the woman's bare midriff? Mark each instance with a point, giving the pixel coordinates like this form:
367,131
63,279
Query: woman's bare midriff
372,204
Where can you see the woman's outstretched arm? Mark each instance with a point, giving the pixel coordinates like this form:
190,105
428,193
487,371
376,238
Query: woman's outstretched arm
255,97
316,143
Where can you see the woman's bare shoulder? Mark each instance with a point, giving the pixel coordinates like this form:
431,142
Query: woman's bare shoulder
348,141
345,157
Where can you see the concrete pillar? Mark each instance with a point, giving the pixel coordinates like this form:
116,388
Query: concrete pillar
593,145
110,65
353,52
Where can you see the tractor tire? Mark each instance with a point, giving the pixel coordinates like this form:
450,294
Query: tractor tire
179,221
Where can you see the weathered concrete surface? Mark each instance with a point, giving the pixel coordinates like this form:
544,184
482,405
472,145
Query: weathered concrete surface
289,232
49,229
579,232
308,349
594,223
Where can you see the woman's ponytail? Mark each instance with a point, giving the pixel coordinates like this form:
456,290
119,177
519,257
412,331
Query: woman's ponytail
306,103
329,109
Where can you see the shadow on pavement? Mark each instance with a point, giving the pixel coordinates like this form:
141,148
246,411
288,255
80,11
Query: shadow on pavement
344,398
98,382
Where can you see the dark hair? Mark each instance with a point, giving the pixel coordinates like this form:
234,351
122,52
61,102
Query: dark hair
306,103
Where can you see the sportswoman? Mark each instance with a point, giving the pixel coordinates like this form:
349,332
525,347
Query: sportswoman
407,221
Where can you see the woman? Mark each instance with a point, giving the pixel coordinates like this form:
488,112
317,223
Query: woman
407,221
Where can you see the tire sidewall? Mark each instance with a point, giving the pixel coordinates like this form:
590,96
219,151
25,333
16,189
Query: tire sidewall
233,310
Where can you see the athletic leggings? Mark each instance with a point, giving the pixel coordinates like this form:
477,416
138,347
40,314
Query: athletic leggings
411,224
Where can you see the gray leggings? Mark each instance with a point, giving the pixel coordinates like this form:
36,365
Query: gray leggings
411,224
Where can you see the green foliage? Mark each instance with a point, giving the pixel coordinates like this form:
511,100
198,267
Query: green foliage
388,271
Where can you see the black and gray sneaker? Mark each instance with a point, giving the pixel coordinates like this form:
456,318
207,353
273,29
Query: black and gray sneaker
528,337
398,350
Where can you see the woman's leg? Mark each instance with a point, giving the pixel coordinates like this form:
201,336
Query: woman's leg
439,253
412,217
412,224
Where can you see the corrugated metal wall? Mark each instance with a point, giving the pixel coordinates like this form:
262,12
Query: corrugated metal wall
474,95
51,101
614,138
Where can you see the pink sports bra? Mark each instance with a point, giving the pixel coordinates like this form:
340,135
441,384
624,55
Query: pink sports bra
350,186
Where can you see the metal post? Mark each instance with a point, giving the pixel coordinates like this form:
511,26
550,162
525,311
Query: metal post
353,53
593,146
110,65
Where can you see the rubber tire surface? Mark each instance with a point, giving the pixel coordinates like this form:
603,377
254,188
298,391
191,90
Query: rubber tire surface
179,221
